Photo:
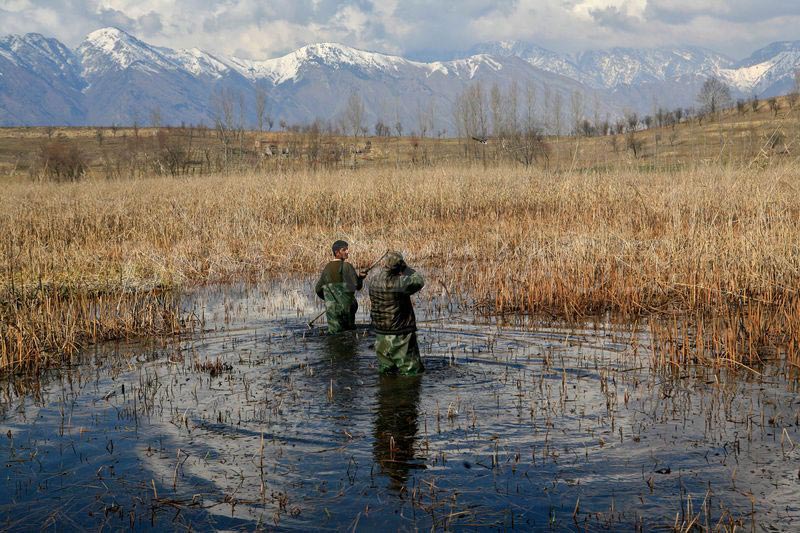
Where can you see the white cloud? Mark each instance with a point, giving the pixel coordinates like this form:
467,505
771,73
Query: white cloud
259,29
634,8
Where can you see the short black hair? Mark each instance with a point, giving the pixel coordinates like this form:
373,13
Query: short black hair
338,245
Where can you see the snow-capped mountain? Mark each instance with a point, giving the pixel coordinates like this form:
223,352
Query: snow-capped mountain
667,77
537,56
113,77
615,67
40,81
619,67
769,71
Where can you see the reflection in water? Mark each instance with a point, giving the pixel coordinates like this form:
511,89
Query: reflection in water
396,427
342,347
257,422
342,363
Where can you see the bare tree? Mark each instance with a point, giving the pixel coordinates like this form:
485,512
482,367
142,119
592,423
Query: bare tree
513,105
496,106
558,109
631,142
772,102
354,114
631,120
470,113
741,106
425,118
714,95
794,94
262,111
227,124
577,109
525,142
155,117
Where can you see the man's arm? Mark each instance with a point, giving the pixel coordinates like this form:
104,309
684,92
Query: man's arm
319,285
412,281
352,278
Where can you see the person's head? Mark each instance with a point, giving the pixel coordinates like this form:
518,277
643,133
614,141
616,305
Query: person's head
340,250
394,261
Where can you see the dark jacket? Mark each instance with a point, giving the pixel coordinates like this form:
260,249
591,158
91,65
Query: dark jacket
337,286
340,273
390,300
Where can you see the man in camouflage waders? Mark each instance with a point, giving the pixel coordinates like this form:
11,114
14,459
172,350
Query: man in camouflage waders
393,316
337,286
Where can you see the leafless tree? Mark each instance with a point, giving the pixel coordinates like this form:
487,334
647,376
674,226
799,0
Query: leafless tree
425,118
470,113
512,105
354,114
155,117
262,110
558,110
741,106
631,119
793,95
524,141
498,114
772,102
577,109
228,124
714,95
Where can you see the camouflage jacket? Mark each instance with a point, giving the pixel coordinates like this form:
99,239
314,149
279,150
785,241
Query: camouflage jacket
390,299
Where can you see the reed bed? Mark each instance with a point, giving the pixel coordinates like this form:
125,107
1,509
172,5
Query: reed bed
42,329
713,253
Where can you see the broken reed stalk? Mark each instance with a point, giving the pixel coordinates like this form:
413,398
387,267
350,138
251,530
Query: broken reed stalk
716,249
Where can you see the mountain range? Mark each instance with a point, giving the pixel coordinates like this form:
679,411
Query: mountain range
114,78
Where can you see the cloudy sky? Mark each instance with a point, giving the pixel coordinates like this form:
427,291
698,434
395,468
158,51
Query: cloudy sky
420,28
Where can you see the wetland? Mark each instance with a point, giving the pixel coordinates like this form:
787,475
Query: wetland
253,420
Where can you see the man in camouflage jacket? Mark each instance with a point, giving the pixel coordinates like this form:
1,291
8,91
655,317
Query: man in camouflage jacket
337,286
393,316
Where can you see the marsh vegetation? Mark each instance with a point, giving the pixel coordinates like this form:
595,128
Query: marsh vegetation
713,249
612,338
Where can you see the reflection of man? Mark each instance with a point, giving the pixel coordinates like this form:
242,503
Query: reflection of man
340,369
393,316
396,427
337,285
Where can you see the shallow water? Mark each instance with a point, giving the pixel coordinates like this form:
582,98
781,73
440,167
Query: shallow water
260,422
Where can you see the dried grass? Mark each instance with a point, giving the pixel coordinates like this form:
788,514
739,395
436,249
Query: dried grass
717,247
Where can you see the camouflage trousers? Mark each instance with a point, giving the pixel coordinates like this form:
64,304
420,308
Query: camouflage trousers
398,353
340,316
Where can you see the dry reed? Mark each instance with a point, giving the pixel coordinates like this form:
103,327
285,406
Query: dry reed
717,249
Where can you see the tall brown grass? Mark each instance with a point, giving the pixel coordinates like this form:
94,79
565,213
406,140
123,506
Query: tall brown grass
717,247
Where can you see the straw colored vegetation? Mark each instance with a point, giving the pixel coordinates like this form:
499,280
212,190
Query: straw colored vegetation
756,133
716,249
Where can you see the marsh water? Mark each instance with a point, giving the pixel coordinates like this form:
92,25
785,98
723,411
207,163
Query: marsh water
256,421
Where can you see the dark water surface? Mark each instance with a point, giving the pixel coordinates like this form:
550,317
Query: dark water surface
259,422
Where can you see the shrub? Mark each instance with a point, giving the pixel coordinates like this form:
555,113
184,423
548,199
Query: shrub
62,160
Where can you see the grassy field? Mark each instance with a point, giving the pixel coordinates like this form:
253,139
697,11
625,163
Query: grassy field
717,247
740,138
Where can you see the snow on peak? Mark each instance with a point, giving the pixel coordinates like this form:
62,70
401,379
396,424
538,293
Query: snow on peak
465,68
113,49
40,54
333,55
197,62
